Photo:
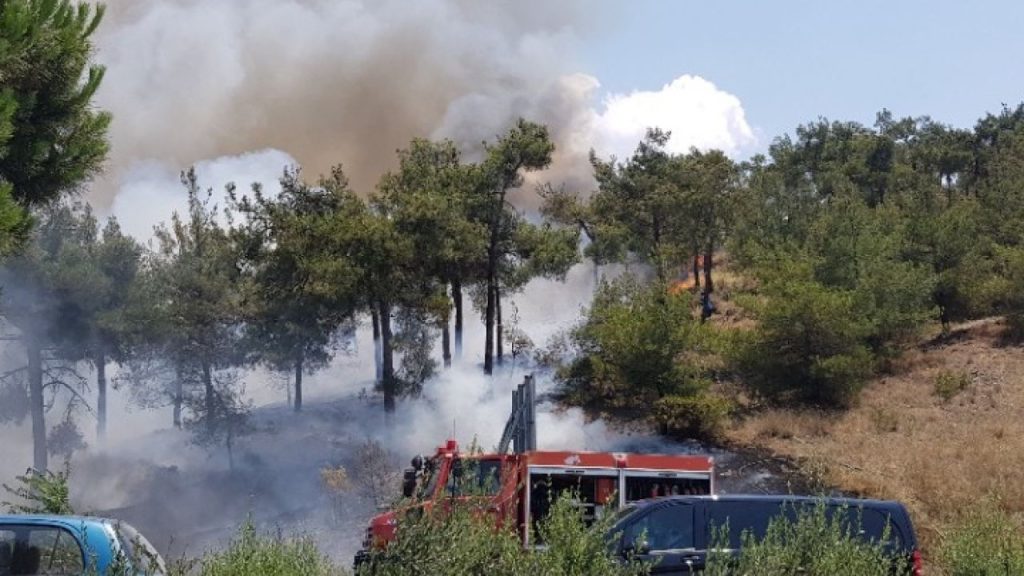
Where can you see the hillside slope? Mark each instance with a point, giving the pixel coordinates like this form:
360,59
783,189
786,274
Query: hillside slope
942,427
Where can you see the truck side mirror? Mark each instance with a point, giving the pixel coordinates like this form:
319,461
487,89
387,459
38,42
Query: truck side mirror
409,483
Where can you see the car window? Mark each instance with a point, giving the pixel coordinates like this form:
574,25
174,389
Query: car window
144,558
665,528
40,550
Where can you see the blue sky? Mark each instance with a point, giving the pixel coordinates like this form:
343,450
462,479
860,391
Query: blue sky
790,61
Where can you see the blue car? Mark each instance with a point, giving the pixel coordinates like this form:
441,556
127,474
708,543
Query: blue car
73,546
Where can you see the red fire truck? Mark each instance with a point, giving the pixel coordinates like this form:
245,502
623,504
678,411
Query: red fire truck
521,486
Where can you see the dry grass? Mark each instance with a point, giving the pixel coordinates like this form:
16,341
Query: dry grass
906,442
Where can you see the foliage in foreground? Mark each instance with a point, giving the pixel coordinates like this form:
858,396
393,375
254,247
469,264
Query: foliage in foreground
988,543
253,554
40,493
467,542
815,543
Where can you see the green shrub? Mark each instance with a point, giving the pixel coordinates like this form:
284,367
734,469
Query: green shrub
253,554
815,543
809,345
988,543
885,420
702,417
41,493
950,383
636,345
465,541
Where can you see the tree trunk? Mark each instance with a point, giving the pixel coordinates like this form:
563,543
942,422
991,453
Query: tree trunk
387,357
446,343
658,255
696,270
229,442
492,282
377,358
457,300
498,340
298,382
211,402
35,386
179,399
489,329
101,396
709,286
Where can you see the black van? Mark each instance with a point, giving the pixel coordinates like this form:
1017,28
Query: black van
674,533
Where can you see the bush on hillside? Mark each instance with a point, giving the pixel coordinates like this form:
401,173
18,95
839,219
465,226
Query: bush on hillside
636,345
809,345
949,383
1008,289
702,416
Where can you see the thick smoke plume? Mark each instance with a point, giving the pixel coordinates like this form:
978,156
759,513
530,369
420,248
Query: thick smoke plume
326,81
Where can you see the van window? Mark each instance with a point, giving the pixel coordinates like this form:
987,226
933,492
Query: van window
754,517
871,525
665,528
34,550
741,517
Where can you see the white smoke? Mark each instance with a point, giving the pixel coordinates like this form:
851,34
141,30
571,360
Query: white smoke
151,191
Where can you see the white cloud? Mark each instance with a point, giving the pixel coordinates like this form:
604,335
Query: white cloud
694,110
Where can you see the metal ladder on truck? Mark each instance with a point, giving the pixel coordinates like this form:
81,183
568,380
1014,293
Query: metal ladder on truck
521,428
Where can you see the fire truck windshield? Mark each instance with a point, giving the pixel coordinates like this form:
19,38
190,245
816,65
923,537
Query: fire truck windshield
479,478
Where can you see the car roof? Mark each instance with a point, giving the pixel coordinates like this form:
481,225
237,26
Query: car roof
53,520
775,498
